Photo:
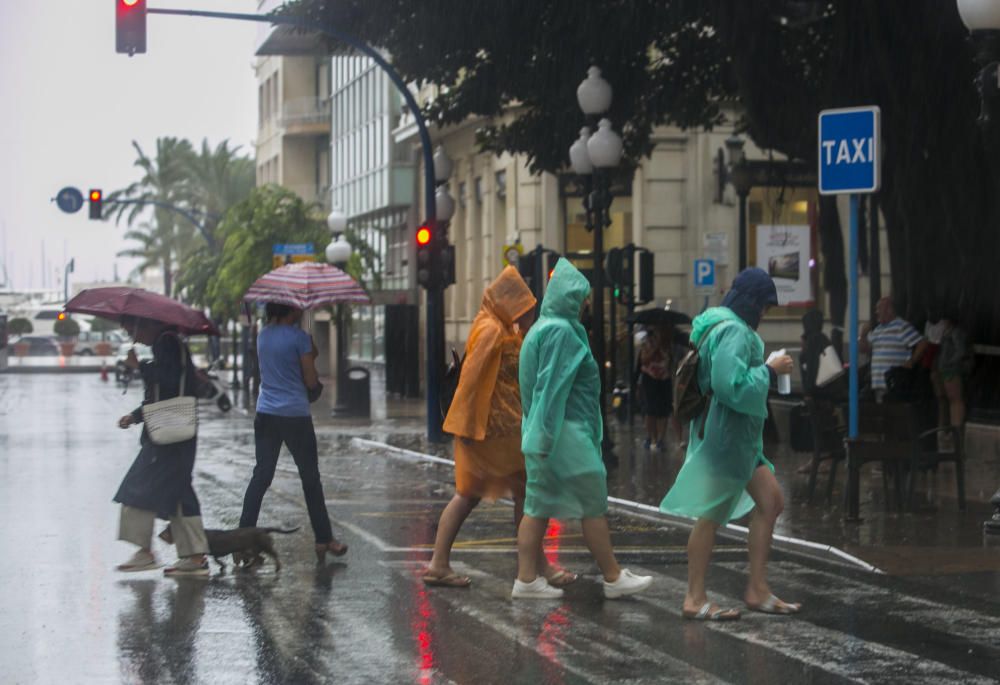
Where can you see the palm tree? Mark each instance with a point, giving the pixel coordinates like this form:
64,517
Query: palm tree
154,249
166,239
217,180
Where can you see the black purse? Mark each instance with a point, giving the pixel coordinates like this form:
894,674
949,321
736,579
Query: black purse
314,393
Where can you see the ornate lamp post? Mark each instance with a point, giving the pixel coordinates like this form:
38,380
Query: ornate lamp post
593,157
982,18
338,252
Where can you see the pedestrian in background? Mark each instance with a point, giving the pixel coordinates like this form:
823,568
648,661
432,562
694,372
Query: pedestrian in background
288,381
725,474
893,343
818,398
561,440
485,418
953,366
656,369
158,484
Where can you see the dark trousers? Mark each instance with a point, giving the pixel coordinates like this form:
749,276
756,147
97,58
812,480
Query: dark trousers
297,433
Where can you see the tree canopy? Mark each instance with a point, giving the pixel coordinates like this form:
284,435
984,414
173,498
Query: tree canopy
781,61
204,183
248,233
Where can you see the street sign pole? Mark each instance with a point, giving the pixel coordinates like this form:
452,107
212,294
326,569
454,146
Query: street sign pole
852,424
849,163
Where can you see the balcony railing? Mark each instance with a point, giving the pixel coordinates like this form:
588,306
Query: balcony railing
305,112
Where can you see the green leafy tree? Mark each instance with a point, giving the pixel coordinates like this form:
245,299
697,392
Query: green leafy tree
19,326
271,215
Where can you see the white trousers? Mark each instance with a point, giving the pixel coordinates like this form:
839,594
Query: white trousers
136,526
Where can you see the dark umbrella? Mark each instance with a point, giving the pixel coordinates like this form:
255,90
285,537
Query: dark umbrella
659,317
116,302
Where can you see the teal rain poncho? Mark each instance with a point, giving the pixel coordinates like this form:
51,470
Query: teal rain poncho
712,483
561,429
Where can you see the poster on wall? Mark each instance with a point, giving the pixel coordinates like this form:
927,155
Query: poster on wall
784,253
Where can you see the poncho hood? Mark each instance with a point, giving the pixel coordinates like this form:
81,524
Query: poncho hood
752,290
508,297
566,292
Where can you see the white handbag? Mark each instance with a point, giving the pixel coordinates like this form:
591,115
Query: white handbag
174,420
830,367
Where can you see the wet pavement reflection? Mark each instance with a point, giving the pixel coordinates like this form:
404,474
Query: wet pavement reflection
367,618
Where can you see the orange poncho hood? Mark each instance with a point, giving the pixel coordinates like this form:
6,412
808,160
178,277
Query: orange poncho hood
505,300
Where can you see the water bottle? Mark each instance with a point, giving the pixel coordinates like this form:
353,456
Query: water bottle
784,379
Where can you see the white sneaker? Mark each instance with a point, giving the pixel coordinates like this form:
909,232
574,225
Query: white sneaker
539,588
628,583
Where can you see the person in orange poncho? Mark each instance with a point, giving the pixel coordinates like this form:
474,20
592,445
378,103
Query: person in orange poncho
485,418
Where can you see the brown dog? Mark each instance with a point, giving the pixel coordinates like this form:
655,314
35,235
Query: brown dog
245,544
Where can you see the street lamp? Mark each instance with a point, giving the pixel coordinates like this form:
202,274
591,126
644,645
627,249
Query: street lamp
592,157
982,18
338,253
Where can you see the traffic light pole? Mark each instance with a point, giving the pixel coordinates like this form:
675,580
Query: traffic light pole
435,295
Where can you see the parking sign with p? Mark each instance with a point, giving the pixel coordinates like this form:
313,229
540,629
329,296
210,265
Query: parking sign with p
704,273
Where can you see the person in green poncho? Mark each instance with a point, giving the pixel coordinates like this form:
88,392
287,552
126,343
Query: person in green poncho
561,431
725,474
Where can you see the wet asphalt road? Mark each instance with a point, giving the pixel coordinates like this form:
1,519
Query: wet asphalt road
68,617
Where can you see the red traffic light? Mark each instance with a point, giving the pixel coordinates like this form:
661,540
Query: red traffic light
130,26
423,235
95,195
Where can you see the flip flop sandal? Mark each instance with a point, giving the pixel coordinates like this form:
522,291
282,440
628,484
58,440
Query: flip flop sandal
706,613
450,580
562,578
773,605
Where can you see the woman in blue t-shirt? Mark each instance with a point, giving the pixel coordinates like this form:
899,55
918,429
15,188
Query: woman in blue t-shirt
287,358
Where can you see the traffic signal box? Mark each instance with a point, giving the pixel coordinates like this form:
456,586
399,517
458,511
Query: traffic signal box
96,198
619,266
427,267
535,267
130,26
435,258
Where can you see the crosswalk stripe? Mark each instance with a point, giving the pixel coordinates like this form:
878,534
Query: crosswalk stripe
974,626
826,649
582,648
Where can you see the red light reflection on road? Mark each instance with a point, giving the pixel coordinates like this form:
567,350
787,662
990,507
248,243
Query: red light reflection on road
552,542
421,626
554,626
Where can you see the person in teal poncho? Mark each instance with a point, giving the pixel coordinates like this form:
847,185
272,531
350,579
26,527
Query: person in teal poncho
725,474
561,431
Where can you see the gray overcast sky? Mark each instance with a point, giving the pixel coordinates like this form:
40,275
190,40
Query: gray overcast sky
70,107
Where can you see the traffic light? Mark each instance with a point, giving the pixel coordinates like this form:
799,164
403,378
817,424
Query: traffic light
645,276
551,259
614,267
447,255
96,203
130,26
526,267
427,266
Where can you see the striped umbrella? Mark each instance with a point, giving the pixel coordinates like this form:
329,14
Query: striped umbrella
305,285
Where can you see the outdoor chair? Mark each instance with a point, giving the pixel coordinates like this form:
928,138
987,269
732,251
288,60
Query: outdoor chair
828,432
891,434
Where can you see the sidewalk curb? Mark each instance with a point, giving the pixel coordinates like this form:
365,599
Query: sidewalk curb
797,546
